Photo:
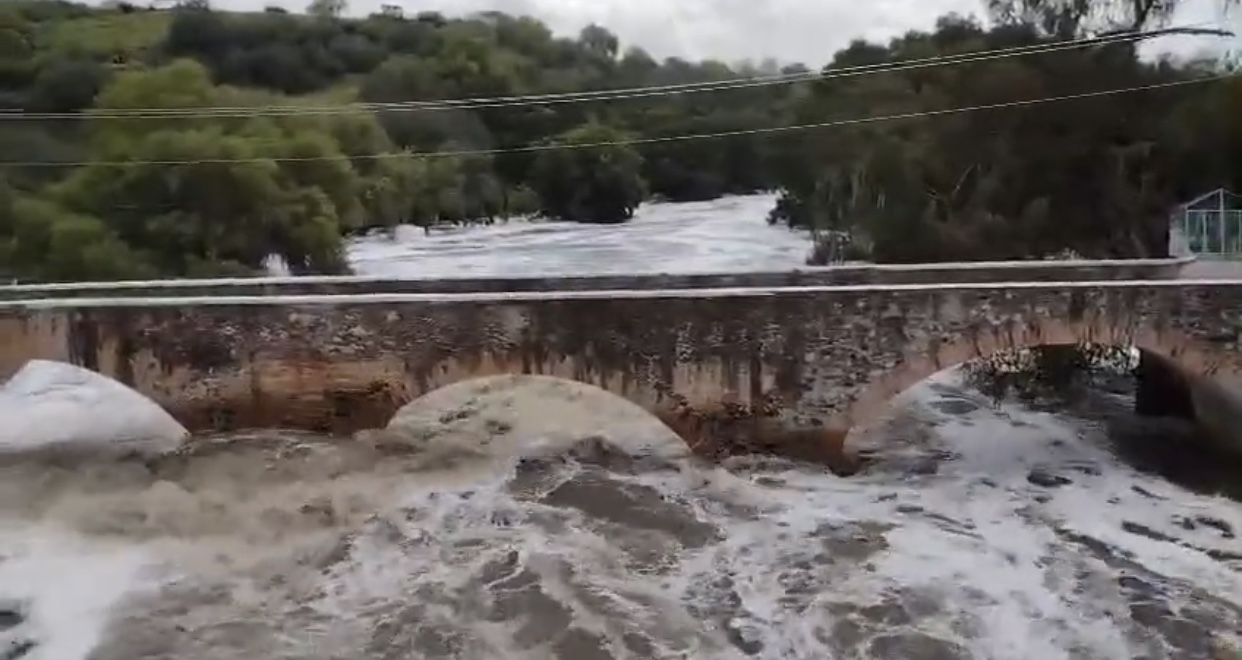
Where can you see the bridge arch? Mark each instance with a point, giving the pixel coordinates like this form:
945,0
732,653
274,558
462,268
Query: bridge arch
708,409
340,369
52,404
342,396
484,408
1192,358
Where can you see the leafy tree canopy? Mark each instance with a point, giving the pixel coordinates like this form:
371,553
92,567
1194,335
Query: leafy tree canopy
296,164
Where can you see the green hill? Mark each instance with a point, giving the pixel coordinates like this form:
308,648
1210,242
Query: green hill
185,141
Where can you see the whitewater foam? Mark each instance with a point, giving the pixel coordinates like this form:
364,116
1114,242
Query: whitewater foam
64,587
728,235
539,533
50,405
530,518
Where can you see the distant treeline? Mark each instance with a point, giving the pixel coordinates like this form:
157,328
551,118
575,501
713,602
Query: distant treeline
188,141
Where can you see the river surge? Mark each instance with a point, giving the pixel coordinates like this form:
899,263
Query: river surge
516,525
527,517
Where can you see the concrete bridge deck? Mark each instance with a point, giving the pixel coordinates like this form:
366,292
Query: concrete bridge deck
769,363
1001,271
1211,269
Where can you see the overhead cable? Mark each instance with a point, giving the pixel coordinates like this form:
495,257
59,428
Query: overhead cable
923,114
606,95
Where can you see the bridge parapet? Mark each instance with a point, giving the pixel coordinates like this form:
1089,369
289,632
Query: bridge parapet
976,272
794,359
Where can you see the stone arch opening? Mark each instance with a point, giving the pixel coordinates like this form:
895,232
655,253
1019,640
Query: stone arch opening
573,409
335,396
1171,359
1052,372
53,404
341,397
513,409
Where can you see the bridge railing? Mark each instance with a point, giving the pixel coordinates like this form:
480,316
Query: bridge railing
964,273
1212,234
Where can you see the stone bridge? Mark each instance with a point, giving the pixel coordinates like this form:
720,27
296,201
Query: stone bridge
939,273
789,368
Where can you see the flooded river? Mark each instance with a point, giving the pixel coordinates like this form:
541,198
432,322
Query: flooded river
525,517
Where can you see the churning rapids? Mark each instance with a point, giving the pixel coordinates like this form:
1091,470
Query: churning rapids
522,517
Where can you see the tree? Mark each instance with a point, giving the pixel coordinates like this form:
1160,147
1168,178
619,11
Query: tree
248,189
589,175
296,163
1078,17
66,85
41,241
1096,176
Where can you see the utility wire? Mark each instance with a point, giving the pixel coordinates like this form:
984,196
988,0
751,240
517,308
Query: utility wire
613,94
638,141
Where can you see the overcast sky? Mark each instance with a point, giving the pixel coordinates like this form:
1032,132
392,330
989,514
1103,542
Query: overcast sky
808,31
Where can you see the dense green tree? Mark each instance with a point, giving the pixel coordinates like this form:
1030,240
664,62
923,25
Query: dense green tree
66,85
333,126
42,240
593,177
1098,176
249,188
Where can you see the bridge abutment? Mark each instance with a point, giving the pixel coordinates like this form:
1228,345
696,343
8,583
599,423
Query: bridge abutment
1218,410
1212,402
1162,388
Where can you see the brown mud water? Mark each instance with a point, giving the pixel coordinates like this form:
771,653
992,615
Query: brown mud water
535,518
550,524
739,431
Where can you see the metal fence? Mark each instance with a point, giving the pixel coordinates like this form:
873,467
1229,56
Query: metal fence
1212,233
1209,227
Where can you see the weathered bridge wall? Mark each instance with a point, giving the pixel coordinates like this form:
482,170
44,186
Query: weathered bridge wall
1007,271
716,359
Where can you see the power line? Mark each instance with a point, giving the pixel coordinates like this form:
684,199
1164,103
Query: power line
637,141
585,96
604,95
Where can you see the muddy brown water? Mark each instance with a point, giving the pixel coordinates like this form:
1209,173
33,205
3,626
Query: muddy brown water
550,522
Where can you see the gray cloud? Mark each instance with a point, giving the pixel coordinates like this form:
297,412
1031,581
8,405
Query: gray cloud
808,31
789,30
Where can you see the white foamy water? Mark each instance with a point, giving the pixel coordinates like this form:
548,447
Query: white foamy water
51,405
728,235
523,517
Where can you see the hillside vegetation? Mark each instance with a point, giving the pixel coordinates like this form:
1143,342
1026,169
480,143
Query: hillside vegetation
187,141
